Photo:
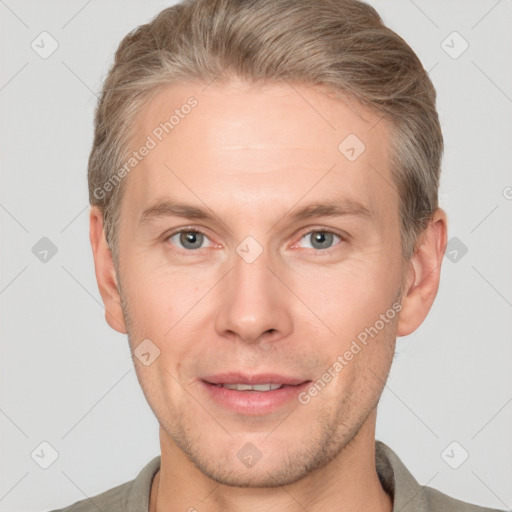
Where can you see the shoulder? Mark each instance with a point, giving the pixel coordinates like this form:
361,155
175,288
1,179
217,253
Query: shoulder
408,495
440,502
133,495
111,500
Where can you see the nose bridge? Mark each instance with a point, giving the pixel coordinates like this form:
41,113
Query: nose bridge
253,302
251,274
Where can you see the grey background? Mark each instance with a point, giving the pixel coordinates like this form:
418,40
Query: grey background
67,378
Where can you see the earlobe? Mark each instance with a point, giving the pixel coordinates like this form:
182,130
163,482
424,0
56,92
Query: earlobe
105,272
423,276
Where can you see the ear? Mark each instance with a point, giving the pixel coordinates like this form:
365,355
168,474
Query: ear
424,272
105,272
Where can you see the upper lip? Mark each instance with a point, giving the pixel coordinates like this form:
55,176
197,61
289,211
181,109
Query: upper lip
260,378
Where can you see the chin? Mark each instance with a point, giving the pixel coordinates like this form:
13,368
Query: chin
262,463
264,476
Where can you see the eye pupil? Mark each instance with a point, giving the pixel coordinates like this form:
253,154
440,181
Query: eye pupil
191,237
323,238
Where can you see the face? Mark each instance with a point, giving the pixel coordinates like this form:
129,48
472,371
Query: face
255,249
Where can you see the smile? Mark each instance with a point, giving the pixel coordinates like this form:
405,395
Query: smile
249,387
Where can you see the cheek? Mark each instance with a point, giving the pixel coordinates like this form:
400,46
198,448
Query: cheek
157,292
350,297
170,308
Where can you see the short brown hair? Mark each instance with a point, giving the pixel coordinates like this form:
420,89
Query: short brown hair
341,45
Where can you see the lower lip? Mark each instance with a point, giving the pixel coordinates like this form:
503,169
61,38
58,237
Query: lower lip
254,402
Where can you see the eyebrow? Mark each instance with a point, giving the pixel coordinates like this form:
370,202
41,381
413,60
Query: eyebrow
329,208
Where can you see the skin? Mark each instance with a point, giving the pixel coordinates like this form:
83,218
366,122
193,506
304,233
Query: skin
252,155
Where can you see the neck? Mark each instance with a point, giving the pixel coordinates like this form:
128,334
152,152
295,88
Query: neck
349,483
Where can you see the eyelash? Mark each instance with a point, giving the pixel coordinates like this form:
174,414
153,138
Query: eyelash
200,252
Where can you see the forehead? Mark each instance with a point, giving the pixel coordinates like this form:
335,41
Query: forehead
269,143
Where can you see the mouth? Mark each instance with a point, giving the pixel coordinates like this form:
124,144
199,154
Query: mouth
253,394
249,387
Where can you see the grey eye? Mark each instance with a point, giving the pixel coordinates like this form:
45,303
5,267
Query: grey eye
189,239
321,239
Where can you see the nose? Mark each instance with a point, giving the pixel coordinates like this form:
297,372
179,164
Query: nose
255,305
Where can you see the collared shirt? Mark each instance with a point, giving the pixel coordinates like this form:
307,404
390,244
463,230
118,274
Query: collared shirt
407,494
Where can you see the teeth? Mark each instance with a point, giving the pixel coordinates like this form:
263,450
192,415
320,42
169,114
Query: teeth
249,387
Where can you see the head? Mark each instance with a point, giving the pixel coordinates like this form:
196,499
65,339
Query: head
303,146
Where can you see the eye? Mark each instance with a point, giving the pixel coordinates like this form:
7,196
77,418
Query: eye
321,240
188,239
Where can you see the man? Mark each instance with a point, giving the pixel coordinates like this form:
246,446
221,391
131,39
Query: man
264,224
